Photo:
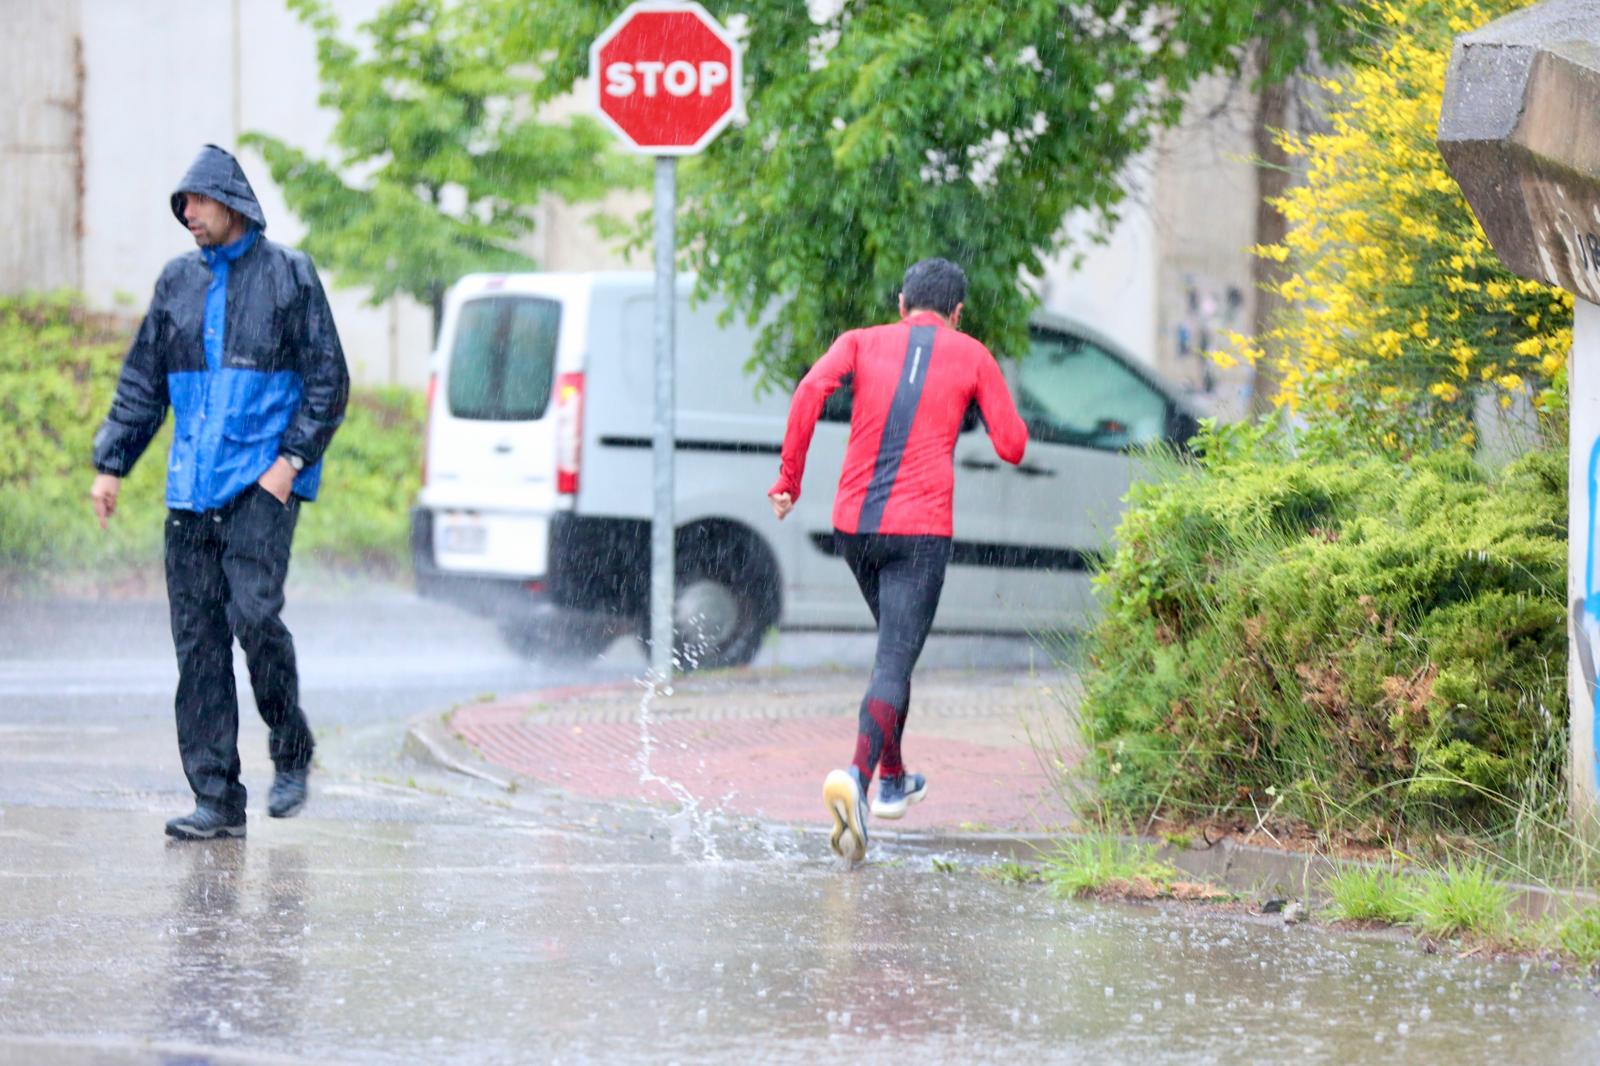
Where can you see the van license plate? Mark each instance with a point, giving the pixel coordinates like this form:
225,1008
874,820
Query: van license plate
465,539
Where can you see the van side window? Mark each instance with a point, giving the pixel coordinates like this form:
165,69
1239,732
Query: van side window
1071,391
503,361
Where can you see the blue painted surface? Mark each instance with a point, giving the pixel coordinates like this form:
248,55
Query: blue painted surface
1591,606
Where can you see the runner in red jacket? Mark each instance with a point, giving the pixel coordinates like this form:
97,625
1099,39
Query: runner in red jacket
913,382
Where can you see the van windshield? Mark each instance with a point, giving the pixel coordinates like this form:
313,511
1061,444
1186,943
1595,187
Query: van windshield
504,358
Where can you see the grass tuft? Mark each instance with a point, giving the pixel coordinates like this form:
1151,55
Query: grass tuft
1460,899
1086,865
1579,936
1369,894
1012,873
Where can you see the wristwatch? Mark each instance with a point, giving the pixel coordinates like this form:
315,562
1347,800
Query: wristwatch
295,461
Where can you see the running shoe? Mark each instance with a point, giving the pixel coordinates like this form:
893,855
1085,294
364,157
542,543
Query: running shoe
846,800
895,794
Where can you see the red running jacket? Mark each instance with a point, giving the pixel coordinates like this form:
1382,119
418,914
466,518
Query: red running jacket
912,381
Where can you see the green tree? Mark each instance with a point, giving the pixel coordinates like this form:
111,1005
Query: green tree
437,120
896,129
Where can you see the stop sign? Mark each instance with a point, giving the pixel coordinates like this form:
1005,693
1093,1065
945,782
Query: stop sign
666,77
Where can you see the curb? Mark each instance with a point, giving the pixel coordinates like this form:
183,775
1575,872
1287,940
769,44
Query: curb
1246,869
428,739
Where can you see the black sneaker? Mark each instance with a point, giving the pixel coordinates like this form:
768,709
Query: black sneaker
846,800
206,823
288,795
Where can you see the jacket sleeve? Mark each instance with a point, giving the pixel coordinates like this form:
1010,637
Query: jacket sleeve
140,402
324,377
806,407
1007,431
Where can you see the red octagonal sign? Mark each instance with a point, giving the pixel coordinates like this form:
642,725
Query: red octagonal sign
666,77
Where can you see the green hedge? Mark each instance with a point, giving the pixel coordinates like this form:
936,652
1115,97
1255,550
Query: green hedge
1356,642
58,370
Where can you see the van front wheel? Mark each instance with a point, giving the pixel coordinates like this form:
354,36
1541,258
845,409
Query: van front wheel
722,611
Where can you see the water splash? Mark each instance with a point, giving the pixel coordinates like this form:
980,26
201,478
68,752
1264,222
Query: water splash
699,821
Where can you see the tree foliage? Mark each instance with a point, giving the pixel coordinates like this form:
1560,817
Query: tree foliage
1398,314
894,129
876,134
447,155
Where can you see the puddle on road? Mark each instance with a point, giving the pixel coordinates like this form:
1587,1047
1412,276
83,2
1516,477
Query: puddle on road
457,941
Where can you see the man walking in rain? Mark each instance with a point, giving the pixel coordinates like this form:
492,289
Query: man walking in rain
240,343
912,383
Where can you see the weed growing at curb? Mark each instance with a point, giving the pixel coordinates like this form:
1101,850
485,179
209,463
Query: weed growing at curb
1107,867
1461,898
1088,865
1579,936
1012,873
1364,894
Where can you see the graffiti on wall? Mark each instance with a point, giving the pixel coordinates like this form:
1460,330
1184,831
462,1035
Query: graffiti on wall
1210,310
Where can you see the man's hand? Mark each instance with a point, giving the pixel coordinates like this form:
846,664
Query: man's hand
103,494
279,480
782,504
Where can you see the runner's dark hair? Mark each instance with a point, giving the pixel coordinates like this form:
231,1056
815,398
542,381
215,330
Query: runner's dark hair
934,285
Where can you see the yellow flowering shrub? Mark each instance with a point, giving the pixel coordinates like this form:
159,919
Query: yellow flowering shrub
1397,313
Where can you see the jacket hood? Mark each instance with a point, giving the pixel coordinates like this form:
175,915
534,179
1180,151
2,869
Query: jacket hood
217,174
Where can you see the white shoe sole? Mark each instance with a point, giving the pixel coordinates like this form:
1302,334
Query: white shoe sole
843,800
898,809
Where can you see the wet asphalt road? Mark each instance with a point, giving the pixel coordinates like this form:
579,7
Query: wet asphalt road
412,916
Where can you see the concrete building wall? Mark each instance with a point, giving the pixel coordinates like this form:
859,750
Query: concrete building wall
1205,210
41,170
163,79
1113,287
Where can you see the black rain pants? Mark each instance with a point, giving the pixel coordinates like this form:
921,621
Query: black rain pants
225,573
901,577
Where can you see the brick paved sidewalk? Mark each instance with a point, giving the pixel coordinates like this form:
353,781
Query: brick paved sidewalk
760,743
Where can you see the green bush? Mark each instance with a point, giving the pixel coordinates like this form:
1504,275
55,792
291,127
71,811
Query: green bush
370,476
59,365
1363,643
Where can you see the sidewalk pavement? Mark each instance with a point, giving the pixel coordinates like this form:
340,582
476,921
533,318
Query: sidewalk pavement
758,744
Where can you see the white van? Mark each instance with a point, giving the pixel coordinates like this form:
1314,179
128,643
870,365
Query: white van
537,483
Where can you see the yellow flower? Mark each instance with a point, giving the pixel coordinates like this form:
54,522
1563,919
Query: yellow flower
1395,294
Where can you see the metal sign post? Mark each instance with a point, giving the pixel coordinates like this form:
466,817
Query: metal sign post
663,568
666,80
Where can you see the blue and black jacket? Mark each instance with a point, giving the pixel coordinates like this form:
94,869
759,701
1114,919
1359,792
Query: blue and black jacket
240,343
